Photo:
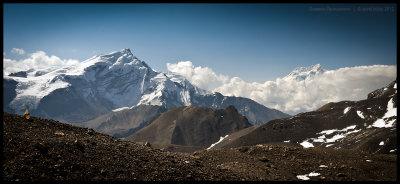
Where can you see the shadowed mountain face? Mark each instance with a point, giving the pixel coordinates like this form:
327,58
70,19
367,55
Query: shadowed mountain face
9,93
191,126
125,122
368,125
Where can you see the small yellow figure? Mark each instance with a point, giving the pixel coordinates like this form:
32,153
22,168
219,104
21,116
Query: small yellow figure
27,115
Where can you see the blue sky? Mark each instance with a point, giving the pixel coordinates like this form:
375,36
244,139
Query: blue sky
256,42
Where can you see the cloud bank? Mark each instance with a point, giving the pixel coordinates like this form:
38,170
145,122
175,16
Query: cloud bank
289,94
293,96
202,77
18,51
38,60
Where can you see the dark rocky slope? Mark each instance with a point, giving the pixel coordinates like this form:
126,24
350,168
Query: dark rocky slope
50,150
9,94
44,149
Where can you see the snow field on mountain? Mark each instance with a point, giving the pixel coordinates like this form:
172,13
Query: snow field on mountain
384,122
335,135
121,109
29,91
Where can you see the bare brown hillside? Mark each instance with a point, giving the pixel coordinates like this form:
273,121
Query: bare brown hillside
193,126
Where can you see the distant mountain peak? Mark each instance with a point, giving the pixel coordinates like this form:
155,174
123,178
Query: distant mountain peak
307,69
302,73
123,51
126,50
117,60
118,55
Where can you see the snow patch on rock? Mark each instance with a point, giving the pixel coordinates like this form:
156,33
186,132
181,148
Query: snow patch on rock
346,110
334,135
360,114
384,122
307,144
306,176
220,140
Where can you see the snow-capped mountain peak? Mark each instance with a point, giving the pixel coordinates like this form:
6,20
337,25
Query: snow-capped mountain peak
116,54
118,60
104,83
119,77
120,57
302,73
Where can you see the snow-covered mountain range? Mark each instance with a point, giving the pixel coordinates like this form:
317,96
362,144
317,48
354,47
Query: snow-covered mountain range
112,82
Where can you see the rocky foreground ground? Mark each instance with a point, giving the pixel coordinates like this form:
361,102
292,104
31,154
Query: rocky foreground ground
43,149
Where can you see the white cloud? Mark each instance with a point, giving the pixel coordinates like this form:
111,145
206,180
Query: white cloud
37,60
288,94
203,77
291,96
18,51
